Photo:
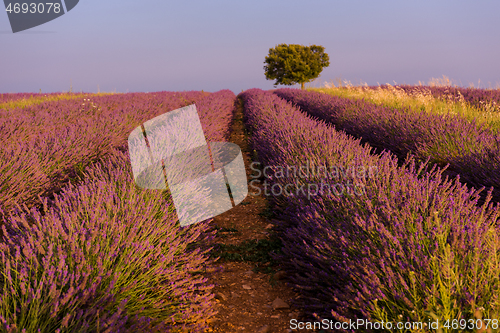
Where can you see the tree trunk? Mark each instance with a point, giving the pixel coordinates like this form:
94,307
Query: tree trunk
302,86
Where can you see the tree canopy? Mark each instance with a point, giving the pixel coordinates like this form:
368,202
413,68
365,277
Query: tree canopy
290,64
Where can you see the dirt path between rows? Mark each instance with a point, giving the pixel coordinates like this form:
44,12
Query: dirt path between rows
251,295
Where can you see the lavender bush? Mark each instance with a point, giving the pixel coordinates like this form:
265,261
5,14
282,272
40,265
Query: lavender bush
105,257
413,246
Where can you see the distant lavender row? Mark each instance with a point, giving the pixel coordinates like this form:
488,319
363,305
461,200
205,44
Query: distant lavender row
106,256
9,97
45,145
409,246
474,96
216,114
471,149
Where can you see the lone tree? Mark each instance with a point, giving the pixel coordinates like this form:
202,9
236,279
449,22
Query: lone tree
291,64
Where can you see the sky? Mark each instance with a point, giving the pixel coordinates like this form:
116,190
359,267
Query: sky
158,45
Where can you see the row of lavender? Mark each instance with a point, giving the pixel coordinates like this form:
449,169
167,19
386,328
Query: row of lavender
107,256
216,114
366,239
46,144
479,98
471,149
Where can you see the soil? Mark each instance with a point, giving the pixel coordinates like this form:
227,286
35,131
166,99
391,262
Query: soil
244,294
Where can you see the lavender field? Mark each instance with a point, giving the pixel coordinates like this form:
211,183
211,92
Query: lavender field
411,246
397,222
83,249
